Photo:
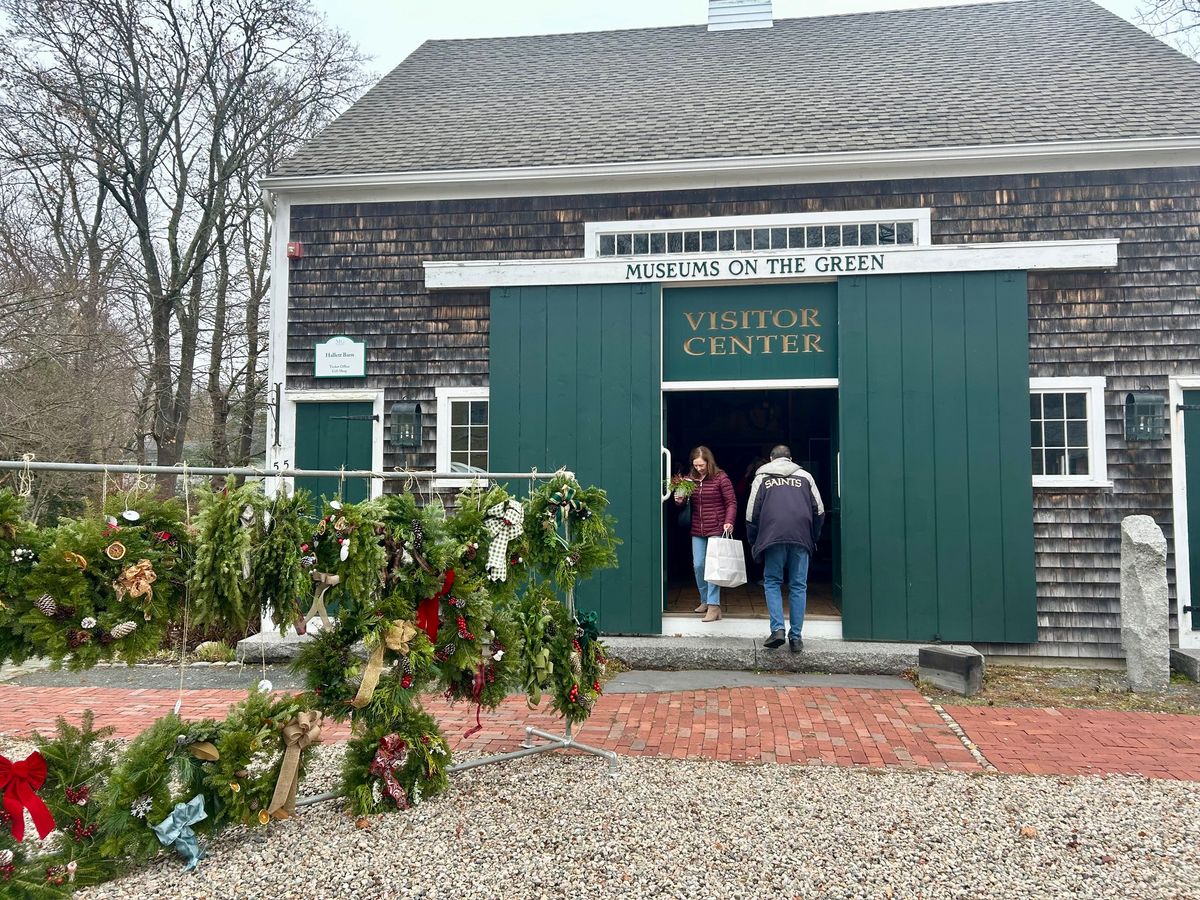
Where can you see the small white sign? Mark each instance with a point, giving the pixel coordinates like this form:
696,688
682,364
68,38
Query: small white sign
340,357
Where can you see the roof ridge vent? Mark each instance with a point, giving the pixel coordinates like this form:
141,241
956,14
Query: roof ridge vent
726,15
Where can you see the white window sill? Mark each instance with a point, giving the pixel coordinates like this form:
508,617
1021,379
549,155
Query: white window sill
1070,484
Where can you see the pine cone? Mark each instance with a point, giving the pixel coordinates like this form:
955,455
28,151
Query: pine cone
124,629
47,604
76,639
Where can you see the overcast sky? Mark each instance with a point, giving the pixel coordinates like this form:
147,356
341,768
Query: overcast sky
389,30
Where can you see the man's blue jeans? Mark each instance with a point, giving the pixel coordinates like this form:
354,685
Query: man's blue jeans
786,562
709,593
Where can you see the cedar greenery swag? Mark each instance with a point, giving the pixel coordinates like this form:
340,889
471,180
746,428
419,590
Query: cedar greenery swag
416,599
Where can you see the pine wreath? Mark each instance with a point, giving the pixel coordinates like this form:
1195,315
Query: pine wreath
569,533
21,546
85,601
396,764
239,785
156,771
346,543
579,665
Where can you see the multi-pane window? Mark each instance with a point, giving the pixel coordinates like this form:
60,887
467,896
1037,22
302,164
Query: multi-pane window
462,430
1066,431
769,237
1058,426
468,435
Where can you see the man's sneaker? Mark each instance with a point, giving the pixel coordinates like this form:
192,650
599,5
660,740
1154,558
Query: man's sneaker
775,640
795,645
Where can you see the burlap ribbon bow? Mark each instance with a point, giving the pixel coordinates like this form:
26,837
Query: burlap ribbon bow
504,522
298,734
395,637
136,581
19,783
176,830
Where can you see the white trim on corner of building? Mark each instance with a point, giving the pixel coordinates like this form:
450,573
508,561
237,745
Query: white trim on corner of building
1189,639
278,317
680,174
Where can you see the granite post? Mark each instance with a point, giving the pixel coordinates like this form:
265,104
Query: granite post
1144,605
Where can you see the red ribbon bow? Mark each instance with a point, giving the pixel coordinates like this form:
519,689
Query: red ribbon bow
19,783
427,609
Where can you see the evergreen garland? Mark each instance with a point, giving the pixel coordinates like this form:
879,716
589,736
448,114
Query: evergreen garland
280,580
221,593
419,769
21,546
536,616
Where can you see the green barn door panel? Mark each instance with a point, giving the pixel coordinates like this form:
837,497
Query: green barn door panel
332,436
574,382
1191,434
937,503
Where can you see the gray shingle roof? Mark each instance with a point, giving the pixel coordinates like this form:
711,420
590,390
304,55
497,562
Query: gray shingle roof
1028,71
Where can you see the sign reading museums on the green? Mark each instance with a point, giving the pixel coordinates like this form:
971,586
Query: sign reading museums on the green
754,332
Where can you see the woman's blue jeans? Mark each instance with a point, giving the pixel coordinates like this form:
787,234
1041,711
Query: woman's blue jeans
709,593
786,562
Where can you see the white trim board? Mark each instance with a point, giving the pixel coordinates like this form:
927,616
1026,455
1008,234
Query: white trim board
774,266
281,228
766,384
745,171
1188,639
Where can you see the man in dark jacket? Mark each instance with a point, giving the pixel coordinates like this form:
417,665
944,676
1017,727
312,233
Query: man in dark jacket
783,522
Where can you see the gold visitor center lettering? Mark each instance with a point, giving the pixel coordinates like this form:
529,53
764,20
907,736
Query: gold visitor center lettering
706,339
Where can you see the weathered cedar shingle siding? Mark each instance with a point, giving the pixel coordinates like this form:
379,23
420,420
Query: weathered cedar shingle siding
362,276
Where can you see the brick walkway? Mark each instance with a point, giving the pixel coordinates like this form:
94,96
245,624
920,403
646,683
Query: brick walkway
1084,741
842,726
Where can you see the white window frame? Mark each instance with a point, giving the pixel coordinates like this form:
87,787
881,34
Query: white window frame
446,396
921,219
1094,387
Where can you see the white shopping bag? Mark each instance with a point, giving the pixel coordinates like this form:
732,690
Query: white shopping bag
725,562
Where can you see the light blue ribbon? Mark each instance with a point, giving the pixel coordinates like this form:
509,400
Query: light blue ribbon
176,830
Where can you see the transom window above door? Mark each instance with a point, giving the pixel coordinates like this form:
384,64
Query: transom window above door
748,234
1066,432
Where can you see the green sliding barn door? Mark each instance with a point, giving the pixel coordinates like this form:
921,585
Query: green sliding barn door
1191,432
937,502
574,381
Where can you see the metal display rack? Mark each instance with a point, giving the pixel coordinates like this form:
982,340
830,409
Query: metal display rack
536,740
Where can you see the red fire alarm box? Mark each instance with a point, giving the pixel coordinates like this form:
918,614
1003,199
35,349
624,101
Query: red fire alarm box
295,250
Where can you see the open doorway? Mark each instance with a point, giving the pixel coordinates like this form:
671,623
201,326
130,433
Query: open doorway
741,427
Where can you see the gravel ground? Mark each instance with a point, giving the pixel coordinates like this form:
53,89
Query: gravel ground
558,826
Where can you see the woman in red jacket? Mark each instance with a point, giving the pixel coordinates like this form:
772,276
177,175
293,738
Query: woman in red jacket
714,510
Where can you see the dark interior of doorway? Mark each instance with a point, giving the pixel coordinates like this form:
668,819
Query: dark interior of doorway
741,427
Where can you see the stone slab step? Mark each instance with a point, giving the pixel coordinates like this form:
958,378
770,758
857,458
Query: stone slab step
748,654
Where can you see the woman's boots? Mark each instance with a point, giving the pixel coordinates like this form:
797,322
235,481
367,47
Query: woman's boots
713,614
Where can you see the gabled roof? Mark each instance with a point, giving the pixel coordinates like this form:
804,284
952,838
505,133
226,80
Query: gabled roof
1022,72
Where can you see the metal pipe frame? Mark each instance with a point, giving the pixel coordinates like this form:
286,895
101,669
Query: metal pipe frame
253,472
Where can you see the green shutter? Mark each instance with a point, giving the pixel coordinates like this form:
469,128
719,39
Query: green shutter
574,381
936,496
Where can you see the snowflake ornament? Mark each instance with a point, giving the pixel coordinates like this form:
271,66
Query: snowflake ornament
141,807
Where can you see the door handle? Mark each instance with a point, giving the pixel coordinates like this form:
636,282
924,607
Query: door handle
666,458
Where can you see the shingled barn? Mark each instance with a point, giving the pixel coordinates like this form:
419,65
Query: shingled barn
949,255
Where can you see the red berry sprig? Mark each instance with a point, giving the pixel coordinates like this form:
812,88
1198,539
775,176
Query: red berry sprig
573,694
82,832
406,681
79,797
463,632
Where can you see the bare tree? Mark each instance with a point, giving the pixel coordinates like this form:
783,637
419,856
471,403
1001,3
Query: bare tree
174,108
1175,21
